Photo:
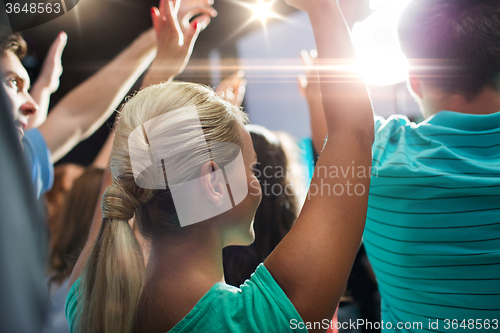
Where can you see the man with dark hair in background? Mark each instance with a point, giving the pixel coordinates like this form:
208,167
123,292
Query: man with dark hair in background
433,226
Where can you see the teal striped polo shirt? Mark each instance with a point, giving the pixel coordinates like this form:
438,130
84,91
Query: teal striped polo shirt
433,226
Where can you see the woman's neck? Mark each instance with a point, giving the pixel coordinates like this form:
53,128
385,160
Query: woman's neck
183,265
186,254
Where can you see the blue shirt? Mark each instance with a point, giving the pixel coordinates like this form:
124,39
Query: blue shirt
433,226
39,159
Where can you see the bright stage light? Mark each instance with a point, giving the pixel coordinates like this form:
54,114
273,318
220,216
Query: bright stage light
377,46
262,10
376,4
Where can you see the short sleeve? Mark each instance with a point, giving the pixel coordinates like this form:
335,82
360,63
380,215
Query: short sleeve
39,161
259,305
274,305
70,306
385,129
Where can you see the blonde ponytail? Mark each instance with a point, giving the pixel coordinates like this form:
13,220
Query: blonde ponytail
113,277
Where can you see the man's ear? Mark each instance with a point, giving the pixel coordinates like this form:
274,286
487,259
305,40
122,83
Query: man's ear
415,86
213,183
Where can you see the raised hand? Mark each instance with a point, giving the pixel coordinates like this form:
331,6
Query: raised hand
52,66
174,45
233,88
48,80
200,11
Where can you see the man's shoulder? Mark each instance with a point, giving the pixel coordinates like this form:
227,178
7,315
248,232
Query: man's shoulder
391,123
39,161
388,129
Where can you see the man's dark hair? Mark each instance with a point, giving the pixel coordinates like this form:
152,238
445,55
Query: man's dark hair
456,41
12,42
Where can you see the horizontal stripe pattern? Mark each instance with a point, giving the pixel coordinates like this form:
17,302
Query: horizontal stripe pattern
433,226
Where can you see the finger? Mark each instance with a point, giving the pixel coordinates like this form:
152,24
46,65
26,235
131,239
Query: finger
169,9
191,36
240,92
60,44
201,14
237,79
306,58
155,17
205,10
57,47
177,5
162,9
173,22
203,21
314,54
302,84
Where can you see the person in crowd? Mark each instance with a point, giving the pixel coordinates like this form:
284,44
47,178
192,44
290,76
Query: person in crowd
278,171
76,116
432,229
182,288
64,176
432,226
69,234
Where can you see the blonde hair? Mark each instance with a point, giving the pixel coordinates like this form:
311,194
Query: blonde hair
113,278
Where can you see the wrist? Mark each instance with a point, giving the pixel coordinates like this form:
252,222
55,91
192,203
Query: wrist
317,8
164,68
42,86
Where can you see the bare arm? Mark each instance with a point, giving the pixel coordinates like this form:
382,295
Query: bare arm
48,80
86,107
310,88
314,260
102,159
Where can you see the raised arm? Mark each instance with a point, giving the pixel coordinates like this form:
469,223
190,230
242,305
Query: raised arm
314,260
48,80
309,88
176,36
85,108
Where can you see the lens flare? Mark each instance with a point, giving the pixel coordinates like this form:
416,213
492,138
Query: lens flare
377,46
262,11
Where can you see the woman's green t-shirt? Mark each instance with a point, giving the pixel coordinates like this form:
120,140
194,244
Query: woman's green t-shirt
259,305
